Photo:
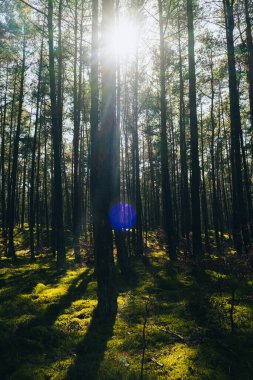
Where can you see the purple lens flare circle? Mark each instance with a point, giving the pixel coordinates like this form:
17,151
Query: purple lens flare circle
122,216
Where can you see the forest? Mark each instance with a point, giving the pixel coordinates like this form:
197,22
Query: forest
126,182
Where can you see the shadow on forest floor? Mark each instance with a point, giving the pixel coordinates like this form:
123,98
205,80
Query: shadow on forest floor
90,351
49,329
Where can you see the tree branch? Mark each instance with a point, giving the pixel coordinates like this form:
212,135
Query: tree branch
36,9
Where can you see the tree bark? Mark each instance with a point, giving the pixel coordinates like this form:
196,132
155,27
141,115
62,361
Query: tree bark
31,210
250,64
166,189
240,229
101,171
76,139
56,115
195,181
11,211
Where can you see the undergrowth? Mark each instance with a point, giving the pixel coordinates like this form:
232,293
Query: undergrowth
199,322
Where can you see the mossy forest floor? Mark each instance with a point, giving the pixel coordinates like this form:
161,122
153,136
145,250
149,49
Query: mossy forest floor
198,322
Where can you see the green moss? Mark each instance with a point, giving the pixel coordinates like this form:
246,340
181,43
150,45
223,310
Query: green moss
39,288
47,321
177,361
27,372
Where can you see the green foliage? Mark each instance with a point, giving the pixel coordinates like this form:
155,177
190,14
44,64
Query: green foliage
49,329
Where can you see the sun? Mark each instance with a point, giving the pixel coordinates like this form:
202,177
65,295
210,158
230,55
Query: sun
122,39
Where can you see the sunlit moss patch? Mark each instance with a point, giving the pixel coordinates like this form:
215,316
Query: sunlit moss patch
49,330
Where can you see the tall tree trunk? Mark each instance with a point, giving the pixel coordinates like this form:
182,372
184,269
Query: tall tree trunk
240,229
122,254
195,181
31,210
94,106
37,191
11,211
214,191
76,139
46,187
184,193
203,190
56,115
11,139
23,205
94,91
101,167
250,63
136,163
166,190
3,199
250,80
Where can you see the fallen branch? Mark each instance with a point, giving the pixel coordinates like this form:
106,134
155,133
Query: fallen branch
174,334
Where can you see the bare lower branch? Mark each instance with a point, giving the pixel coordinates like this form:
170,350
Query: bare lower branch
36,9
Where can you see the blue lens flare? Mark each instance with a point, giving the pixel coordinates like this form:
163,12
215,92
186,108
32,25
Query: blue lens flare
122,216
